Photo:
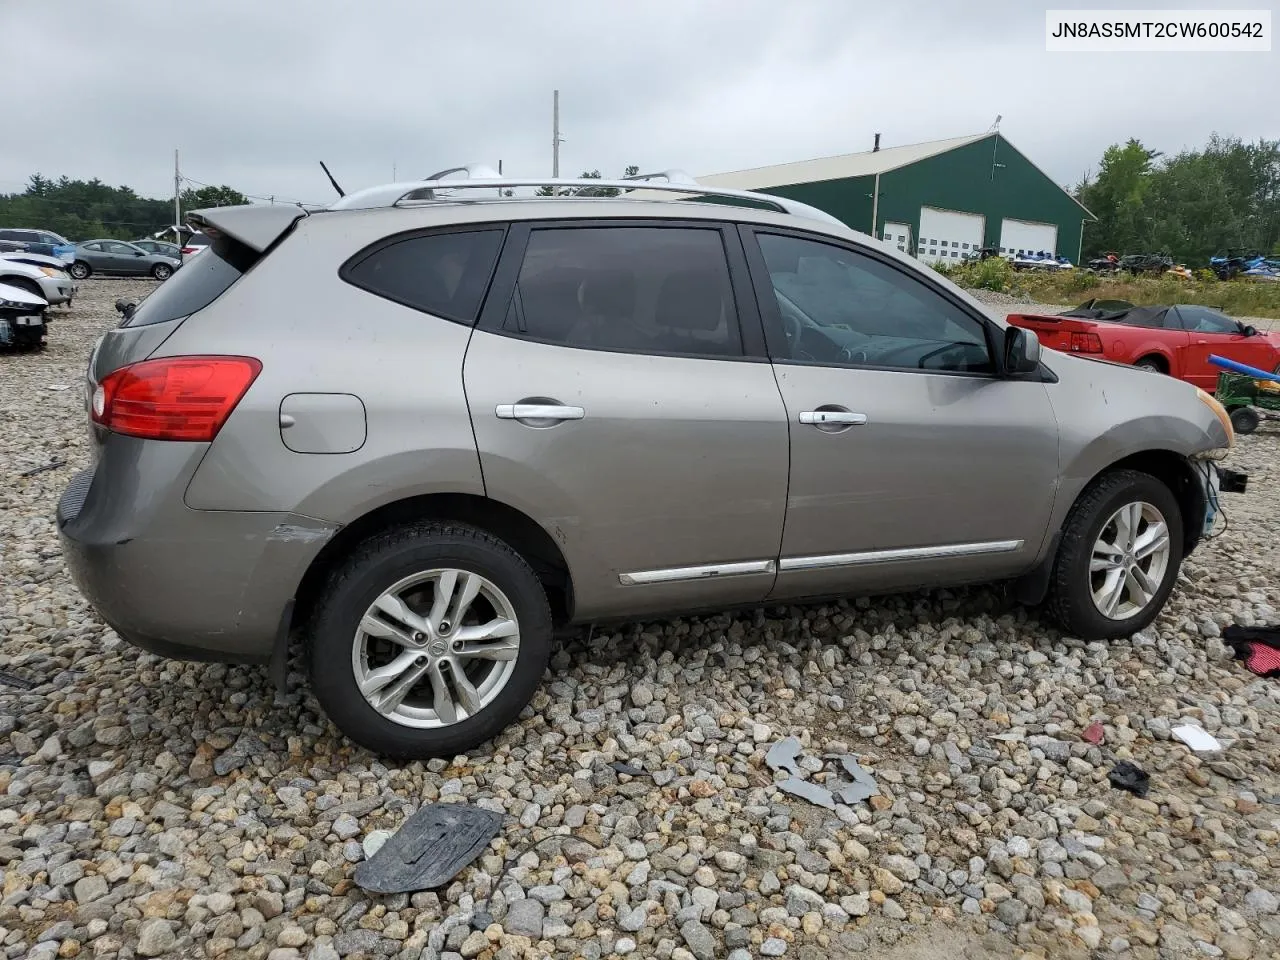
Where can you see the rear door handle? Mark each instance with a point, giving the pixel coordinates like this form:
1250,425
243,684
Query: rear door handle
538,412
820,417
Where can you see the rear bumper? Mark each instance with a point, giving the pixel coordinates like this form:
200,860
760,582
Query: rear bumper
188,584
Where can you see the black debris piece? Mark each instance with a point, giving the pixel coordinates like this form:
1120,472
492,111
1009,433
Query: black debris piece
620,766
1127,776
429,848
15,681
51,465
1258,647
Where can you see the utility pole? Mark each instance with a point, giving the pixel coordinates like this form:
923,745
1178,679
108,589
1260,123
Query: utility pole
177,197
555,135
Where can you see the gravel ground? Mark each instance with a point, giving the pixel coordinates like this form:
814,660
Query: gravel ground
151,808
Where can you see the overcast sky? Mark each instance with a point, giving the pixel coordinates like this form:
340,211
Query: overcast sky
255,92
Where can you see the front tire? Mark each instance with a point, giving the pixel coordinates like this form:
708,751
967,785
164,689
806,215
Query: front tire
80,270
1118,558
162,271
429,641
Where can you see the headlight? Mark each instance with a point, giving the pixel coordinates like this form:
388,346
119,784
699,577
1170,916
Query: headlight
50,271
1224,418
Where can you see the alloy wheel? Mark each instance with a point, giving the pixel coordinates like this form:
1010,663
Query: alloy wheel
435,648
1129,561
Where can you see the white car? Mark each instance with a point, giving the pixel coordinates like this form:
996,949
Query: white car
52,283
22,319
196,243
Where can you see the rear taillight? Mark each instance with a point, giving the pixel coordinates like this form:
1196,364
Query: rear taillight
1086,343
173,398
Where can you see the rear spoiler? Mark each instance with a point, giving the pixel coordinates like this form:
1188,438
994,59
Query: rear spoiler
256,225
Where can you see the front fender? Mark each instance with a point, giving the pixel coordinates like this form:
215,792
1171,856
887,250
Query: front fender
1107,413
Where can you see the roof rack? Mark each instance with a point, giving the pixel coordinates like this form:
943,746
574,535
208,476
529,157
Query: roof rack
480,177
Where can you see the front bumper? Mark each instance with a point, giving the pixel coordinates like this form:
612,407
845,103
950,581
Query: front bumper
189,584
56,290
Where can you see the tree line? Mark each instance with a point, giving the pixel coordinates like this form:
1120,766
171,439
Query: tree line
1191,206
89,209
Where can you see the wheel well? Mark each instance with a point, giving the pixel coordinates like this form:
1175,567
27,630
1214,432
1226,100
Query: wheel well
1176,473
24,283
1156,359
518,530
1171,469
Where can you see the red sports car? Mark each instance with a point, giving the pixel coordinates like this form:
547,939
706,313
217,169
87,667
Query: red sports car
1176,340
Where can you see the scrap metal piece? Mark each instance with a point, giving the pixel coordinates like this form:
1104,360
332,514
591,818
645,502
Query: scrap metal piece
808,791
864,784
429,848
782,756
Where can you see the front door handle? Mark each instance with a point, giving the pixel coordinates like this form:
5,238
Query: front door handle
820,418
538,414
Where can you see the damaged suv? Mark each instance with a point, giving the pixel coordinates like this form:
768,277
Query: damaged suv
424,427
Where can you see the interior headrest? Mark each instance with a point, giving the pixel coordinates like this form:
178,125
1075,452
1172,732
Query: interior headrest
693,300
610,294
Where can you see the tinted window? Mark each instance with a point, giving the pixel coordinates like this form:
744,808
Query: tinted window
197,240
9,235
661,290
93,246
445,274
842,308
1204,320
196,285
120,248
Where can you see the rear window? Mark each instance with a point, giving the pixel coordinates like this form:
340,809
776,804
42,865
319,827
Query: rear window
197,240
196,285
445,274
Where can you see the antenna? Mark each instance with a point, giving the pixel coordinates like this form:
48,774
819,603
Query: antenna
995,127
341,192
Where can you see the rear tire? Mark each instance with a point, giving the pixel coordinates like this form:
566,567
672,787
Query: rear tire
352,641
162,271
80,270
1151,365
1245,420
1077,582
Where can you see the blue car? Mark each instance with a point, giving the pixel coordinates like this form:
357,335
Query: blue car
37,241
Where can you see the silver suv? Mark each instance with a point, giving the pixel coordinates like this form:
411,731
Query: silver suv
434,422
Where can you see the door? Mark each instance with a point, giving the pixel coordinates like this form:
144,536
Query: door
897,234
126,259
947,235
1209,333
621,397
1026,236
913,462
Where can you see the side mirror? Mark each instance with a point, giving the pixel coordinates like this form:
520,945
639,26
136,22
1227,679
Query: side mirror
1249,331
1021,351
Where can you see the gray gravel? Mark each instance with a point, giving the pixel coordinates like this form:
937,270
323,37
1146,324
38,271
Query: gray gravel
159,809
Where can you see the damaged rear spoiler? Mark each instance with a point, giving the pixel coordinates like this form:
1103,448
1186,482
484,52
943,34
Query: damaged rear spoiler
256,225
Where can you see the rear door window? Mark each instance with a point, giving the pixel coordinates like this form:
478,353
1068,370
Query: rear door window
196,285
444,274
656,290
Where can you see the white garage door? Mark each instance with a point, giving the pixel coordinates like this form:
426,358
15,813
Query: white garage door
898,234
1027,236
947,235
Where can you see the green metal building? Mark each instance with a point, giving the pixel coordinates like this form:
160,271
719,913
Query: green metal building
936,200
